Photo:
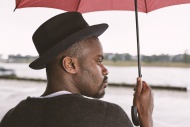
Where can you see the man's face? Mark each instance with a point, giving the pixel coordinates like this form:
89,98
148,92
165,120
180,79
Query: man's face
92,78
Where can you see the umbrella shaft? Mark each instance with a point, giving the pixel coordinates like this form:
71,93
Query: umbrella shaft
134,112
138,44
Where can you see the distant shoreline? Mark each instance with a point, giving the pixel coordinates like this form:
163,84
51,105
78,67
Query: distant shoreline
147,64
132,63
176,88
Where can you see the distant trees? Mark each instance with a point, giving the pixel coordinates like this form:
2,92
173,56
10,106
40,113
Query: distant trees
156,58
184,58
20,59
117,57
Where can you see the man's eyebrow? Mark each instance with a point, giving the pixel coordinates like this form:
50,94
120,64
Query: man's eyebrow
100,56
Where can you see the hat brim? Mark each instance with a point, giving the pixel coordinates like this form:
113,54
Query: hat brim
95,30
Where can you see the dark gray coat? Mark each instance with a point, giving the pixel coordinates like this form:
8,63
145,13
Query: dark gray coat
69,110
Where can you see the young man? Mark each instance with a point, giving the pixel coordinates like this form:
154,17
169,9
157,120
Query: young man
72,54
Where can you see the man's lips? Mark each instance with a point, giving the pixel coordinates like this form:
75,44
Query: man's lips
105,79
105,83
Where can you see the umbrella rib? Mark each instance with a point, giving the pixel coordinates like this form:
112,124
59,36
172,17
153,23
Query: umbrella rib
17,5
146,6
78,5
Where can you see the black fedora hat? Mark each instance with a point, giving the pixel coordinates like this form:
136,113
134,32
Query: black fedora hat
59,33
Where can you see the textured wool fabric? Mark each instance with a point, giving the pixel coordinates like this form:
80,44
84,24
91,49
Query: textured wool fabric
69,110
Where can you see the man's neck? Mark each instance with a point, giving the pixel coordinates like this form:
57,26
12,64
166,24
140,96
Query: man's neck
60,85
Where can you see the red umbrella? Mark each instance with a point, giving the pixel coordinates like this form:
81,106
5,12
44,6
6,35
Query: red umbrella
84,6
99,5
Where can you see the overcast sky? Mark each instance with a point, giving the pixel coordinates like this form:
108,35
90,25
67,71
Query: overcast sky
166,30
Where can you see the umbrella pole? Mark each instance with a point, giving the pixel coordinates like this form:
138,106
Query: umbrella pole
134,111
138,44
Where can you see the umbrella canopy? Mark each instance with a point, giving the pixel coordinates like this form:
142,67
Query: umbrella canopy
84,6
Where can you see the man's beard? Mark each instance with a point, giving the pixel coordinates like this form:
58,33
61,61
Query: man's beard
98,94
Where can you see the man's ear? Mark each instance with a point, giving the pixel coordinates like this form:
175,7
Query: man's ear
69,64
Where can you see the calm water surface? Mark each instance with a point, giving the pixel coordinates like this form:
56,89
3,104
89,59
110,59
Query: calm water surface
152,75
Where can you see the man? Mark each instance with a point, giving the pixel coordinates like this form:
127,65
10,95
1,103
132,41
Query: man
72,54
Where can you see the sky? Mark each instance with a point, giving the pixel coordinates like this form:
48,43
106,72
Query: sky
163,31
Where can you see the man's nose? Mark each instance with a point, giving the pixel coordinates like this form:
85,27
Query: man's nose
105,70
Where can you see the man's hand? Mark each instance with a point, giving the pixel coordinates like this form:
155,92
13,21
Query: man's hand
144,100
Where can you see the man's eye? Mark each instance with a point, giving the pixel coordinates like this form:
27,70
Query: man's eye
100,61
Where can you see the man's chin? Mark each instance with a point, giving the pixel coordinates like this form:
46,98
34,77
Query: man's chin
99,95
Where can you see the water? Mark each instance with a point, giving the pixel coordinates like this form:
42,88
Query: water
152,75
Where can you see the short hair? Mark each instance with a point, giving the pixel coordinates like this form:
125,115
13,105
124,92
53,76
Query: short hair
73,51
76,49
